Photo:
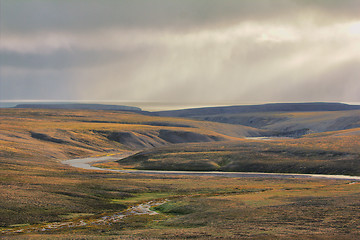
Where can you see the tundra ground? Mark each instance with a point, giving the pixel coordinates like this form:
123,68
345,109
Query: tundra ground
37,190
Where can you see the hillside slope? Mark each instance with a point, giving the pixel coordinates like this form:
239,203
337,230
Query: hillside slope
294,123
270,107
280,119
323,153
80,106
68,133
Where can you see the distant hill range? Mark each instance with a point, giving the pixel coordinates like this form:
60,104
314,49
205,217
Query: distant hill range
274,119
271,107
281,119
80,106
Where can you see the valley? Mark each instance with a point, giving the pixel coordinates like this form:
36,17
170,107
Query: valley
39,190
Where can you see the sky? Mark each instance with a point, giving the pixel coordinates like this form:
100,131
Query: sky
199,52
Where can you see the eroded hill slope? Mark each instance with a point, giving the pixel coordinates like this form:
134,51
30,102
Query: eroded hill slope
66,133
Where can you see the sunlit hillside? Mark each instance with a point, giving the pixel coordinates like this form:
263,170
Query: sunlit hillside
66,133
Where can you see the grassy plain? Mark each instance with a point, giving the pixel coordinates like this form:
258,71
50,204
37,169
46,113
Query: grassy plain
37,189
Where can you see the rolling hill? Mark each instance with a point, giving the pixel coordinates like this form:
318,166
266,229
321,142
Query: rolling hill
67,133
270,107
280,119
81,106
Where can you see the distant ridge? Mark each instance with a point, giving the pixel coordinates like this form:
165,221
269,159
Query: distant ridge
204,111
80,106
270,107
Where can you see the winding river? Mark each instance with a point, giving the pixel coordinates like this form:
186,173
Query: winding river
86,163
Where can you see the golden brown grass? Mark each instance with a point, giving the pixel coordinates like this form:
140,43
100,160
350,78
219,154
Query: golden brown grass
76,132
240,208
36,188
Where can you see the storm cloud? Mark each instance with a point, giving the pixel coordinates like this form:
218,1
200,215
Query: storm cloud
183,51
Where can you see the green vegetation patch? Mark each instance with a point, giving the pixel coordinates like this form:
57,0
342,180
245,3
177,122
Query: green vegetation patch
177,208
142,197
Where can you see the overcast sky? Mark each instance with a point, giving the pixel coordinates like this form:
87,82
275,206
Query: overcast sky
180,51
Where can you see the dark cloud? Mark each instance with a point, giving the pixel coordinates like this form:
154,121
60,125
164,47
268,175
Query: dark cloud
39,15
69,58
29,16
37,85
346,8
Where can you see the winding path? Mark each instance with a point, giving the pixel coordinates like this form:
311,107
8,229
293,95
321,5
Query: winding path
86,163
